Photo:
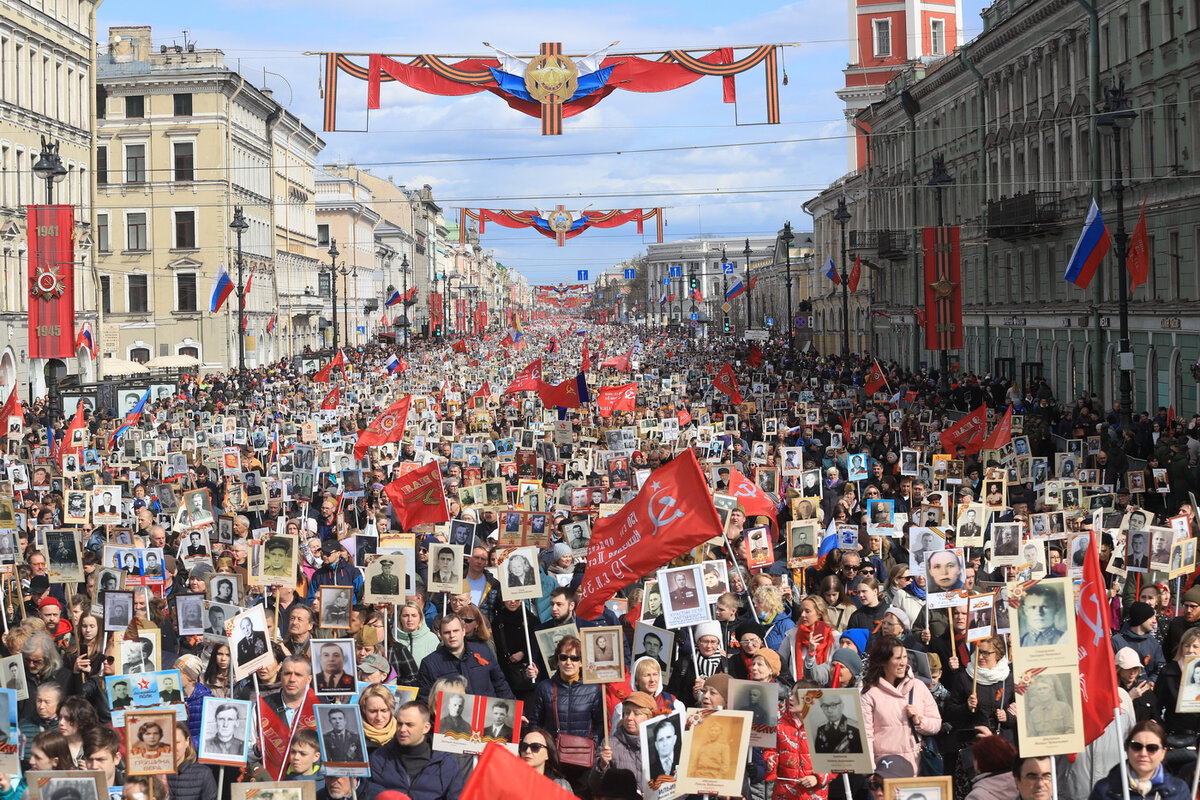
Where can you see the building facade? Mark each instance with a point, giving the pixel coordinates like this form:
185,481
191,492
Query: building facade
1012,115
181,142
46,90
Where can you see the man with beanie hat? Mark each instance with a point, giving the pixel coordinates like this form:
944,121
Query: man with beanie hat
1190,618
1138,635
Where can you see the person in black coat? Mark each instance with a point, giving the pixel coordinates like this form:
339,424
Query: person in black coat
510,627
456,656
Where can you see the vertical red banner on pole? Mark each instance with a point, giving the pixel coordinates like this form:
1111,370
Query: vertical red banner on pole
51,252
435,309
943,288
481,316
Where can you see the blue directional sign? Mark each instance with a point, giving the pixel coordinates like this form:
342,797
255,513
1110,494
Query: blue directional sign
582,275
770,320
676,272
630,274
666,281
727,267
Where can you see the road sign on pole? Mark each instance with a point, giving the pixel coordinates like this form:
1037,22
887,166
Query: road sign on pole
583,275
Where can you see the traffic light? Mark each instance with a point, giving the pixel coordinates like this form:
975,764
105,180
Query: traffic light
694,283
726,326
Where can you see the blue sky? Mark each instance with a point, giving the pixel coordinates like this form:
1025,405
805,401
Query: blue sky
707,187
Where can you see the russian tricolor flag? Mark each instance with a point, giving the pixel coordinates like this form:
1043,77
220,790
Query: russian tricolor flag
737,290
831,272
1090,250
393,364
222,288
394,300
131,419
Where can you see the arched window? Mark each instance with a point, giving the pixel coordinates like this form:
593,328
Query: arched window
139,354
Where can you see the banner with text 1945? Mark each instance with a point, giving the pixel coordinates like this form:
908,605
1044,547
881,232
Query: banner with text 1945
51,255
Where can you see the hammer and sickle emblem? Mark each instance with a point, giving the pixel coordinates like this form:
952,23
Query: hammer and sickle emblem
667,513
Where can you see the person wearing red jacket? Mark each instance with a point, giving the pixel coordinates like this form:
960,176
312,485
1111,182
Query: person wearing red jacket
789,763
50,610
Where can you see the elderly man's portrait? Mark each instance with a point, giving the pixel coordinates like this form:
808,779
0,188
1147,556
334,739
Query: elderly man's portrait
224,730
664,741
336,605
189,613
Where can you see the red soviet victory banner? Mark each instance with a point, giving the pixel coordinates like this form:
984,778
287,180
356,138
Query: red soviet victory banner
943,288
418,496
387,427
967,432
1002,433
500,775
752,499
671,514
875,379
617,398
330,403
1097,669
51,247
528,379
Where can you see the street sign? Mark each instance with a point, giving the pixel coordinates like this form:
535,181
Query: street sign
630,274
695,323
770,320
693,316
726,307
801,322
755,336
583,275
727,267
676,272
666,281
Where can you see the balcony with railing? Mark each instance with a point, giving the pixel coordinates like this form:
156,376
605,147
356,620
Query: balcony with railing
1024,216
883,243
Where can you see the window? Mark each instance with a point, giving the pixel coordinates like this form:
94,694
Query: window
937,37
185,160
102,165
185,291
139,297
135,231
883,37
135,106
135,163
185,230
323,236
139,354
1144,12
106,294
101,102
103,244
189,350
183,104
1168,15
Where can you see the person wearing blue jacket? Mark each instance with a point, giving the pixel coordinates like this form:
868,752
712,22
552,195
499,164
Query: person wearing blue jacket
336,571
476,663
1139,634
409,763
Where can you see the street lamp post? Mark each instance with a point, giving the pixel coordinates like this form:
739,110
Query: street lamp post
786,236
49,167
749,305
724,292
333,254
842,218
939,181
1118,116
239,226
346,273
404,304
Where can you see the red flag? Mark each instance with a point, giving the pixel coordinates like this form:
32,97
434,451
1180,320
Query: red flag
387,427
339,360
483,391
920,314
967,432
528,379
460,346
855,275
500,775
620,362
1138,262
418,497
1097,670
684,417
727,383
66,445
1170,415
755,357
571,393
12,407
277,736
875,378
672,514
617,398
330,403
1002,434
586,361
750,496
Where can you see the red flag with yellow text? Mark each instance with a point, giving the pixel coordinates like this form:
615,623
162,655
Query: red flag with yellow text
672,513
528,379
330,403
1097,668
967,432
875,379
726,382
387,427
750,497
617,398
419,497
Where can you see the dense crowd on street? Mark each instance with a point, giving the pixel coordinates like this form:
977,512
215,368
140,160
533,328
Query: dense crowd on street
253,545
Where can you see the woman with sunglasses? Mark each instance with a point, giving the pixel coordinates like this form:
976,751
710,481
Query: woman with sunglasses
986,711
538,751
564,704
1145,748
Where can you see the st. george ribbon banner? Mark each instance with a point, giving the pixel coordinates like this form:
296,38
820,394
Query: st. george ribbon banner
943,288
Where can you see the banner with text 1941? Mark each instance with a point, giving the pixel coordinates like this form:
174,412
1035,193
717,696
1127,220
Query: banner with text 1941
51,249
943,288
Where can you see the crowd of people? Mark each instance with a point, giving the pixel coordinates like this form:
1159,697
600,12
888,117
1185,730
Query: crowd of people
227,592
